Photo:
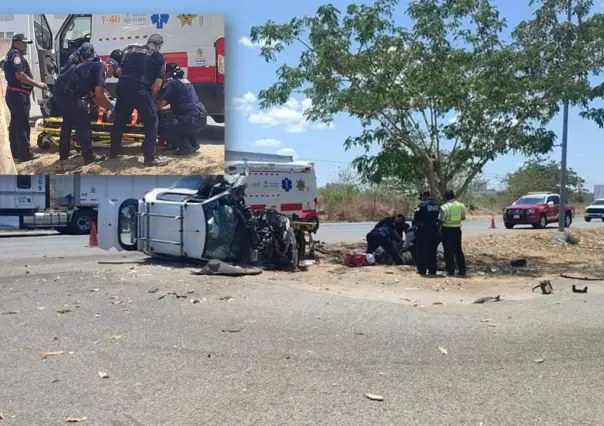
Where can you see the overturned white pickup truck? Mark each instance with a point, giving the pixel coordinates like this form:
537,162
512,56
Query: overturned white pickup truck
205,221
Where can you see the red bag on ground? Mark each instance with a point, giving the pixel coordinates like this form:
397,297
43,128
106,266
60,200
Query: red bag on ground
355,260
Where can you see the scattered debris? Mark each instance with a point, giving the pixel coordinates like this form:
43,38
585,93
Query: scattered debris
194,301
374,397
10,313
103,375
117,302
76,419
232,330
444,351
539,360
45,355
485,320
63,311
94,290
518,263
114,337
161,296
492,325
578,290
359,333
546,287
217,267
153,290
581,278
488,299
1,416
437,303
225,298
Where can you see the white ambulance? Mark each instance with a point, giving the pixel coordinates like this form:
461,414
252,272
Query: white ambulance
194,42
290,188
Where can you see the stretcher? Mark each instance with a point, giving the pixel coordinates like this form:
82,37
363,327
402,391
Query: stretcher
100,132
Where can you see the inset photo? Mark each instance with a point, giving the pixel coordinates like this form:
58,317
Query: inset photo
126,94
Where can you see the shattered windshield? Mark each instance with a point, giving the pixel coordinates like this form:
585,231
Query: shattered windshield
221,221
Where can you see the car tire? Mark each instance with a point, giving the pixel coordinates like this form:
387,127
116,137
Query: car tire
588,219
509,225
568,220
542,222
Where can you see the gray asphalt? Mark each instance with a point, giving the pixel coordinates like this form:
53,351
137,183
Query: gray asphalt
352,232
277,355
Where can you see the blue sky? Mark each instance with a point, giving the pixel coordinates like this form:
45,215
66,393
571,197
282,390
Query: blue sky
284,129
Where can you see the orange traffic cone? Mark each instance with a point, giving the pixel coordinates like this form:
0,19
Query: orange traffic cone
94,238
492,222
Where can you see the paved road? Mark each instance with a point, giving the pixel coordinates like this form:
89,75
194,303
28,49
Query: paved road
351,232
328,232
276,355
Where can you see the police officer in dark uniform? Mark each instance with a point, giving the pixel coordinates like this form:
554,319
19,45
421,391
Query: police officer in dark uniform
85,53
189,116
141,73
70,88
426,218
20,84
385,236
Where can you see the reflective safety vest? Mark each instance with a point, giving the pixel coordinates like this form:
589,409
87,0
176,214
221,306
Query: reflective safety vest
452,213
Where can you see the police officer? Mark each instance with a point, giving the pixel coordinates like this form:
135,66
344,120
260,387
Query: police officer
70,88
426,218
452,214
85,53
385,236
189,116
20,84
141,73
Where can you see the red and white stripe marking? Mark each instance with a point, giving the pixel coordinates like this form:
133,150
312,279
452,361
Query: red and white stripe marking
195,74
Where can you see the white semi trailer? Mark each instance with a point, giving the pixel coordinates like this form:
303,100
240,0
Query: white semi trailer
70,205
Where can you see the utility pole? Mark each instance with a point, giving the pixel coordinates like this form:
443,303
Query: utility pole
562,214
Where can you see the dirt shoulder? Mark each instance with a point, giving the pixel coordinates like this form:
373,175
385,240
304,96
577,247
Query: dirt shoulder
488,258
208,160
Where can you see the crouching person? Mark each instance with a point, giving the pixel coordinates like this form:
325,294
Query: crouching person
387,238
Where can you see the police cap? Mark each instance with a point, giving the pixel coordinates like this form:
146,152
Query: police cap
21,38
86,51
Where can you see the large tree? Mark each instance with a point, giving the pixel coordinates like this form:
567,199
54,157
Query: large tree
536,175
440,99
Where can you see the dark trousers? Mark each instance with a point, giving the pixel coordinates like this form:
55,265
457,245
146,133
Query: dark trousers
453,252
180,130
129,98
375,240
75,116
426,244
19,105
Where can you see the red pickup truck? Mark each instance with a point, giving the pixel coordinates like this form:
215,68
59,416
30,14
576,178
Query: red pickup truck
538,210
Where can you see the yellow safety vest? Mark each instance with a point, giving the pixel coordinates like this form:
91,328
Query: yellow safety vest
452,212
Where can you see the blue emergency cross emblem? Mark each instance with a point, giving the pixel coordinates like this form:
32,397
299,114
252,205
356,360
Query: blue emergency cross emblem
159,19
287,184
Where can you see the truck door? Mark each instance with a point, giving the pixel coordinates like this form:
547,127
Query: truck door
118,224
44,61
75,31
553,212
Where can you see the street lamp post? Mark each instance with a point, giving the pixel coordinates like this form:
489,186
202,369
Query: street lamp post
562,213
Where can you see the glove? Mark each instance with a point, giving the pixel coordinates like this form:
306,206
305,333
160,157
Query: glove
113,107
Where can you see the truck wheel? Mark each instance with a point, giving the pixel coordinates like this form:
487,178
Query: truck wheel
81,222
542,222
588,219
567,221
509,225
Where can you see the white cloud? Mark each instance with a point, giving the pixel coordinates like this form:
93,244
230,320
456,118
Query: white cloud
289,115
247,42
245,103
288,151
267,143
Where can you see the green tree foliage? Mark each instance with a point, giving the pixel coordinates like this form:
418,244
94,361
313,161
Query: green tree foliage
562,57
536,175
404,85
